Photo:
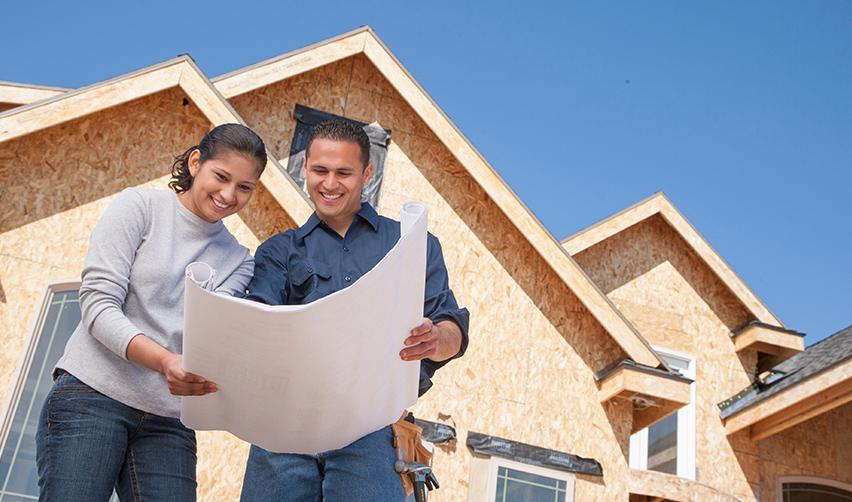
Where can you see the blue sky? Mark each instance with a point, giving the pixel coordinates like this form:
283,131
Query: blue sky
741,112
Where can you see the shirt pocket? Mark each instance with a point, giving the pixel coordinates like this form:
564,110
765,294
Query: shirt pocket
308,280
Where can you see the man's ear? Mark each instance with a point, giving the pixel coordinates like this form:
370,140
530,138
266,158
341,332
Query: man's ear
368,173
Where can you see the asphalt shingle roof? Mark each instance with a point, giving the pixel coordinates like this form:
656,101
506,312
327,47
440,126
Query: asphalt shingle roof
820,356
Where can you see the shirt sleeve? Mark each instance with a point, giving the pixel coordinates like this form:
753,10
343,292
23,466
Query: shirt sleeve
269,284
235,284
440,305
106,275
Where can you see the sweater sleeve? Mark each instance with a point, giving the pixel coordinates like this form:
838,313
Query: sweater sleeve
235,284
106,275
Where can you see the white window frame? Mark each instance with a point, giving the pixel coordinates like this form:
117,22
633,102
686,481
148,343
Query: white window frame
16,385
493,465
781,480
685,424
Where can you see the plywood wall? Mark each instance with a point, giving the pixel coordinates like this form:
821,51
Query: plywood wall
55,184
650,486
528,372
820,447
676,302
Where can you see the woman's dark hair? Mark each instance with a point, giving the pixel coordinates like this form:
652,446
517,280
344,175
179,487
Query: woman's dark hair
235,138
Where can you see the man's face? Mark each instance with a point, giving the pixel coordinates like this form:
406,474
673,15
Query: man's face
334,177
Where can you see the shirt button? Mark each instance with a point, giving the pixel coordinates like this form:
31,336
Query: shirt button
346,249
347,279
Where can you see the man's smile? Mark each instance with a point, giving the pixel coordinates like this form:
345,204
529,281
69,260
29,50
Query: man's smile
331,197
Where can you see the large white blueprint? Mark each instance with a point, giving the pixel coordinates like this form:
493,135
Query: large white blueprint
309,378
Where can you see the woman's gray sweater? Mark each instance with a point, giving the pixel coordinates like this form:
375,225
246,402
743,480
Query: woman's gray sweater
133,283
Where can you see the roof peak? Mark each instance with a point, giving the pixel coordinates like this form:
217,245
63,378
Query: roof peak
659,204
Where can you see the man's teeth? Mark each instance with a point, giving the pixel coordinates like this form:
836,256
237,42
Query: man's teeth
332,197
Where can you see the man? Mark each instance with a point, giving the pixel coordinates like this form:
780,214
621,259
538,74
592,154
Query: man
339,243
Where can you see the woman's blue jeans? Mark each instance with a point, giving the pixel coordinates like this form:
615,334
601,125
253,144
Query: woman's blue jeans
89,444
360,472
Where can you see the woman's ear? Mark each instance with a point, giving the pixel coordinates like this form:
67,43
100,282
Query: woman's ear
194,162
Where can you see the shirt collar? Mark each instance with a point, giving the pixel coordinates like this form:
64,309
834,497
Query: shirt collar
366,213
308,227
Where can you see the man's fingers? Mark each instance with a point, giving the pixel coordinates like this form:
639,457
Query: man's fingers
415,339
424,327
419,330
419,351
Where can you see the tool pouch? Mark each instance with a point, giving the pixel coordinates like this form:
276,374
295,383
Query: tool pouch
406,436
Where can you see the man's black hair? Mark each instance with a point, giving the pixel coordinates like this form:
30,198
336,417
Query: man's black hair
342,130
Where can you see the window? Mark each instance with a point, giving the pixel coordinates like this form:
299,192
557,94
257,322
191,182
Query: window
495,479
307,119
669,445
810,489
517,485
59,315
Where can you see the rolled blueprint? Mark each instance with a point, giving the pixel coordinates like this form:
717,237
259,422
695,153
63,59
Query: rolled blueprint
309,378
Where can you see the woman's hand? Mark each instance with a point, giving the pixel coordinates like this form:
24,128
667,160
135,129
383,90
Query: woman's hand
146,352
182,382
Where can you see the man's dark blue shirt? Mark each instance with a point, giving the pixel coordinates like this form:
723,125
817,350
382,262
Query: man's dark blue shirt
299,266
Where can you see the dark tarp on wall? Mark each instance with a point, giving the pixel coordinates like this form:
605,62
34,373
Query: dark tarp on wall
534,455
307,119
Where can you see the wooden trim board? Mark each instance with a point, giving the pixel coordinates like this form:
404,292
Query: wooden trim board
665,395
779,343
624,334
178,72
292,63
820,403
365,41
815,395
24,94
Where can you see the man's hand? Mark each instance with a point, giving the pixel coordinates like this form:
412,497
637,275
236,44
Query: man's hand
437,342
182,382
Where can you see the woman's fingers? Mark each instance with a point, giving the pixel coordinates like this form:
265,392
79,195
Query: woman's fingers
184,383
180,388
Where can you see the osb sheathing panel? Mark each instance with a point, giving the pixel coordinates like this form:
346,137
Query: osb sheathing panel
650,243
528,371
54,186
820,447
656,484
676,302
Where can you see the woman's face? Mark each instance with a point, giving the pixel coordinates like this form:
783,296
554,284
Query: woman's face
221,186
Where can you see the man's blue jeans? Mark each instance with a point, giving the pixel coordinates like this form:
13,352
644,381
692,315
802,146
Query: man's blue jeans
360,472
89,444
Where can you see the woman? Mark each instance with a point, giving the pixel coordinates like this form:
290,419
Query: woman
111,419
